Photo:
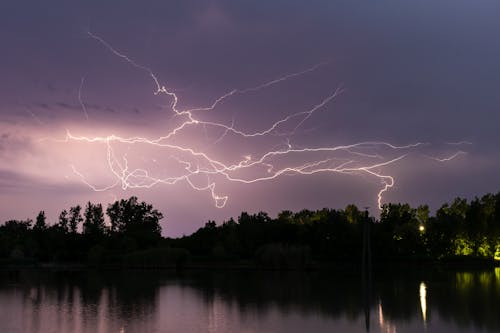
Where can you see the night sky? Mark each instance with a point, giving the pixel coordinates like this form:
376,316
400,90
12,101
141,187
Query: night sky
406,73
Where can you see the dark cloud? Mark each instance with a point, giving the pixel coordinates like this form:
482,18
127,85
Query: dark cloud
68,106
412,71
14,145
16,182
43,106
51,88
64,106
13,181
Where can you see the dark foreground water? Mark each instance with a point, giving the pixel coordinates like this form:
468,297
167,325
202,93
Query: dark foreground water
401,300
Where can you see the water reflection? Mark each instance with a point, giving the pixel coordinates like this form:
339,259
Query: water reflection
423,300
150,301
385,326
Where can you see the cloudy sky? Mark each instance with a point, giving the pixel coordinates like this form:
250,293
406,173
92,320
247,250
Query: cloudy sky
307,81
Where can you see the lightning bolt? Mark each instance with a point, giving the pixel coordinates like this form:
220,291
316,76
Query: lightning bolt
363,158
449,158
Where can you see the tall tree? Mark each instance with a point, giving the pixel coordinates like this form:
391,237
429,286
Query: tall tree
40,223
75,218
129,215
114,212
137,220
353,214
94,220
63,222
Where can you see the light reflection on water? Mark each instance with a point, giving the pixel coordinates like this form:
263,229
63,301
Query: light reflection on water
423,300
151,301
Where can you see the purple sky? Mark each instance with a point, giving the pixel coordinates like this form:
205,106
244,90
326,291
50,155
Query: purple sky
410,72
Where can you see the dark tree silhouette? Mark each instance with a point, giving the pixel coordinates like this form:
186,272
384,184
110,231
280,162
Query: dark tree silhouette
136,220
63,222
40,223
457,231
75,218
401,219
94,220
15,239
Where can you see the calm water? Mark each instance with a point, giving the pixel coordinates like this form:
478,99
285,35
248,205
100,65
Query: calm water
405,300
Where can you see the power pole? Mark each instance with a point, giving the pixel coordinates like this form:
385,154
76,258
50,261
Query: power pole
367,252
366,268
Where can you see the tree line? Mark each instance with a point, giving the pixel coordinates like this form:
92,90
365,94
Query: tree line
81,235
132,236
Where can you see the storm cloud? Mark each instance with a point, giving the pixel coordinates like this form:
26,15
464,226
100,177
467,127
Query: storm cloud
409,72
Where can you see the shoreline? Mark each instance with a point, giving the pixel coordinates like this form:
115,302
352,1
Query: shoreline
453,263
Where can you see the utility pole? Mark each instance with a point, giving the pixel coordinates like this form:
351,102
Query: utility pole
367,252
366,268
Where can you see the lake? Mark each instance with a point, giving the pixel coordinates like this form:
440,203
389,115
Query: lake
405,299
